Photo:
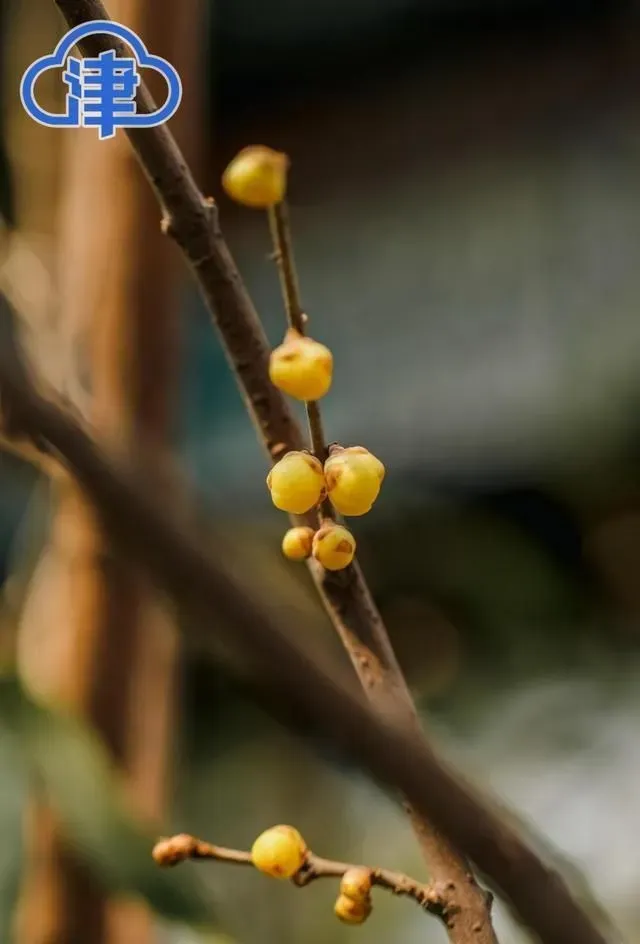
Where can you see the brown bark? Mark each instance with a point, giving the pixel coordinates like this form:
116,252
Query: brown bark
115,664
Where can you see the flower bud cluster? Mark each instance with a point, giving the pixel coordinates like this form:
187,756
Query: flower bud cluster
302,368
350,478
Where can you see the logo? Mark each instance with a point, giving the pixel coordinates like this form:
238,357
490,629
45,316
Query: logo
102,90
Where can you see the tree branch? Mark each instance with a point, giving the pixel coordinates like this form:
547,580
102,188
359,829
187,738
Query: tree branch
169,852
144,527
192,221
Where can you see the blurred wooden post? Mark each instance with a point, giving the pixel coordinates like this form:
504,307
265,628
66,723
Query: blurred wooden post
112,651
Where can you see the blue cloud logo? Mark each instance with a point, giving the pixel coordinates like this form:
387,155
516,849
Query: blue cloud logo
101,89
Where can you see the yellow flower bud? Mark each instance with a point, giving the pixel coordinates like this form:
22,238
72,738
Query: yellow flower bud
301,367
257,177
350,911
356,884
296,483
297,542
279,851
334,546
353,477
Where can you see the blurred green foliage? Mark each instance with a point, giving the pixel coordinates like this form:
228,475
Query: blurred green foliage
68,764
13,792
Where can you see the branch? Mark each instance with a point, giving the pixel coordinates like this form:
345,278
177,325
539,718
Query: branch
149,530
169,852
191,220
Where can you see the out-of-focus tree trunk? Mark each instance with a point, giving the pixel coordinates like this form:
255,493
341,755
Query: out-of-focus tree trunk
95,637
30,33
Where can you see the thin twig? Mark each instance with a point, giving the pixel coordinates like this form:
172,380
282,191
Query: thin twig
283,254
297,318
301,686
316,431
170,852
176,849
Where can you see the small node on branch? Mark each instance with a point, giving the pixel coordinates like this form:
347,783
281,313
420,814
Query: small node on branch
279,852
439,899
210,208
174,850
278,450
167,225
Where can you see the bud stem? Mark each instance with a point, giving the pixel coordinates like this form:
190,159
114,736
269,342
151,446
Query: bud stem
283,254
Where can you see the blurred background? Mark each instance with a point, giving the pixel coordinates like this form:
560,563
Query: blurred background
464,200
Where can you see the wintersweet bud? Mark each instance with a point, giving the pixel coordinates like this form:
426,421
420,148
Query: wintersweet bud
257,177
279,851
356,883
350,911
301,367
334,546
297,543
353,478
296,483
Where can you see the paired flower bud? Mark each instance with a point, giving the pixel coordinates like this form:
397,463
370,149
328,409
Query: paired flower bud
279,851
257,177
353,478
332,545
354,902
301,367
296,483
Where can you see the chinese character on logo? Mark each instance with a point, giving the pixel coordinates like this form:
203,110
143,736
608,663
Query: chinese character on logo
101,91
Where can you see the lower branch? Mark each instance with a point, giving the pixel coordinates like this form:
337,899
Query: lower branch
436,898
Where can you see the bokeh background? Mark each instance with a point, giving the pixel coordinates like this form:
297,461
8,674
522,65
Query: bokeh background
464,199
